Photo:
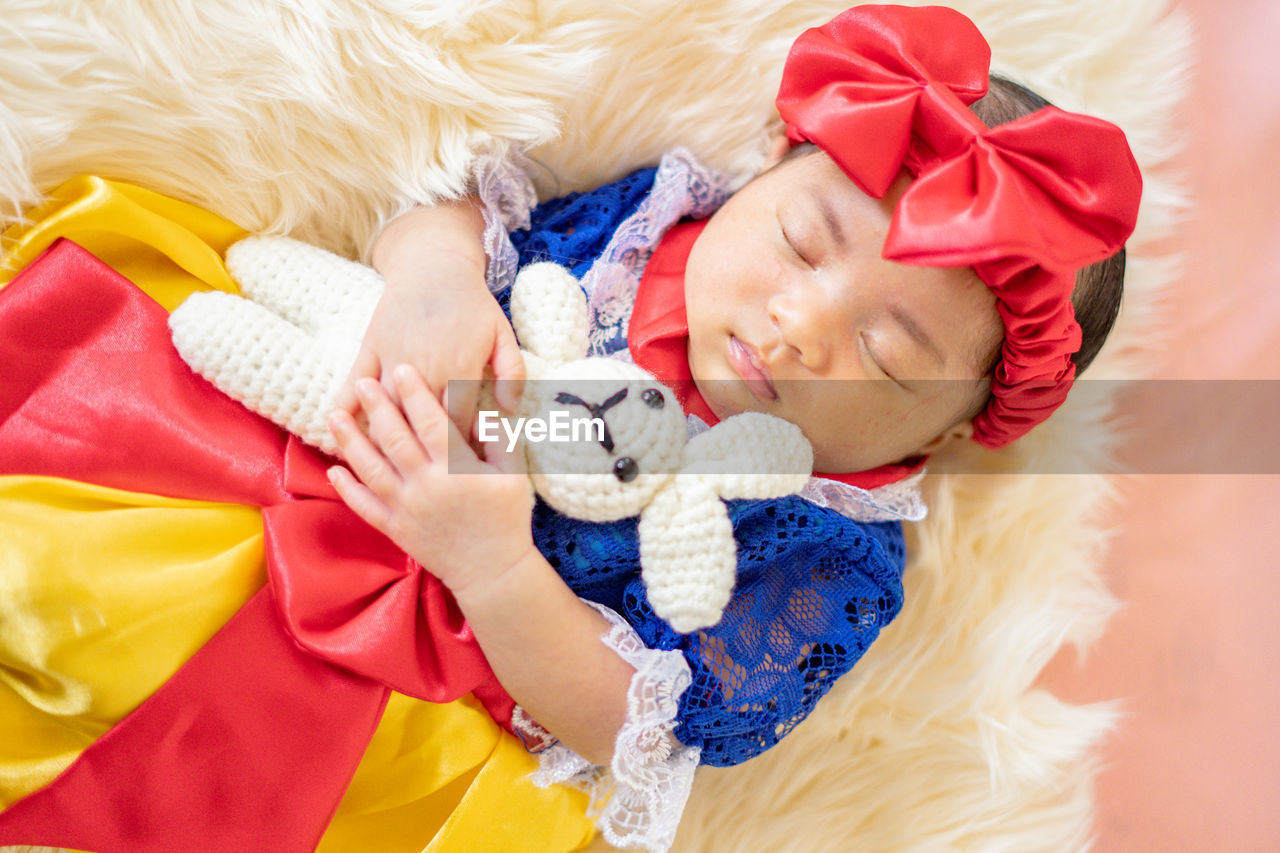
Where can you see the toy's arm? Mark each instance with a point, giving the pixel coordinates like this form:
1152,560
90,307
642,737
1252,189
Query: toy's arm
687,552
751,455
688,558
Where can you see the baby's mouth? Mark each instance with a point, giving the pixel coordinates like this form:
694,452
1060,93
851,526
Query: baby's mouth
746,362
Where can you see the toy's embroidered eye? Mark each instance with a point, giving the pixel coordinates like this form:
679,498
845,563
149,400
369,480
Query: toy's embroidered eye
653,398
626,469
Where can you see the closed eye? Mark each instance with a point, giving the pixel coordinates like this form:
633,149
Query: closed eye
792,247
862,340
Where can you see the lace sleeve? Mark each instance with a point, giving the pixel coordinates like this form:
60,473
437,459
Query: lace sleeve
503,185
636,801
814,590
500,180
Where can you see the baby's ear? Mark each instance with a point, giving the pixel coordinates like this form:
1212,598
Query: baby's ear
779,145
960,432
549,313
751,455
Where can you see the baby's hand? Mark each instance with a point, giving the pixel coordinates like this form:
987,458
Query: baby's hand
465,520
449,327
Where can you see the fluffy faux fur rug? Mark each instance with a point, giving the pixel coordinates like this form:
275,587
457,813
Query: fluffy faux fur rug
314,117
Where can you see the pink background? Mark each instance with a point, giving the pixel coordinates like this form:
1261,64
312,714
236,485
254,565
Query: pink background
1195,766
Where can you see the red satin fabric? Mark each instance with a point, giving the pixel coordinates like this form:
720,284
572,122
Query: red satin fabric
252,742
1027,204
658,338
862,85
658,332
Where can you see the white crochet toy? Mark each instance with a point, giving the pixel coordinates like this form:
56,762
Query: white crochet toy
285,349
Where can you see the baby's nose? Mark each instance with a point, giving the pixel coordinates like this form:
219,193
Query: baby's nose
809,322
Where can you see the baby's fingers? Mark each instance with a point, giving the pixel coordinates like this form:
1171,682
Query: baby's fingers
462,398
429,419
366,365
360,498
507,461
388,428
365,459
508,370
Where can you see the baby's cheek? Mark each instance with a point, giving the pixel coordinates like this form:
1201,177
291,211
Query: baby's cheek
869,430
933,411
849,436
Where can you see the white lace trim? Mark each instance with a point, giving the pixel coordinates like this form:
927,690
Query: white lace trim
682,187
503,185
534,737
900,501
636,801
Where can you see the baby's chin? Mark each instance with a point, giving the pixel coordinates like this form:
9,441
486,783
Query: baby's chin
843,460
722,404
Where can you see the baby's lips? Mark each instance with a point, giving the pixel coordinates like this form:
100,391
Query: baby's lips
746,362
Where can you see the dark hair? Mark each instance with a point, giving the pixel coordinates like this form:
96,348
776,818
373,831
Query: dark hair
1098,288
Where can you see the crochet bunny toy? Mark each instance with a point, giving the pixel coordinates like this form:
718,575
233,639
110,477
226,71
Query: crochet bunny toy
285,349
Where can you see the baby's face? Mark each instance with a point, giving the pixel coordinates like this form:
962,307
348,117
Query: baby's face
793,312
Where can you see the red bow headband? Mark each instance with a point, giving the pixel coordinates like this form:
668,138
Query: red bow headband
1026,204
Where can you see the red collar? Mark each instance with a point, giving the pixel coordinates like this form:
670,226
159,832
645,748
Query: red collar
658,337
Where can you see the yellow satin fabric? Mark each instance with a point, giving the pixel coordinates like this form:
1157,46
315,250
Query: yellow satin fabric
104,593
167,247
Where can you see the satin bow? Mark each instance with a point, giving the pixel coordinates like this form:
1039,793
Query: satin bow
349,596
866,83
253,741
1026,204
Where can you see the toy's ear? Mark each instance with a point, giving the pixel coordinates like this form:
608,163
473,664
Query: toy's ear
319,292
751,455
688,557
549,313
286,349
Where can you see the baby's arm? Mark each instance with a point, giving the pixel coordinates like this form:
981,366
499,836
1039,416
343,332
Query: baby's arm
544,645
467,521
437,313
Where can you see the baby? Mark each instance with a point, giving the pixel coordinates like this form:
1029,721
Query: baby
963,252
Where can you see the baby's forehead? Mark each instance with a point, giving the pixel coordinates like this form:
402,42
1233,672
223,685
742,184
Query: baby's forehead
810,180
808,172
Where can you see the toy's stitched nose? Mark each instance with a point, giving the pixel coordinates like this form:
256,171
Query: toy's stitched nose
597,412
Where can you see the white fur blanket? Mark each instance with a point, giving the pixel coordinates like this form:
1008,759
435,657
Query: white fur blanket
314,117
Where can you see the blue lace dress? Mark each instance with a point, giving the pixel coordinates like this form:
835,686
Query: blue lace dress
814,587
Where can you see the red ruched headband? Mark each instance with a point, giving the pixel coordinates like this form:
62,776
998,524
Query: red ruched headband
1026,204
